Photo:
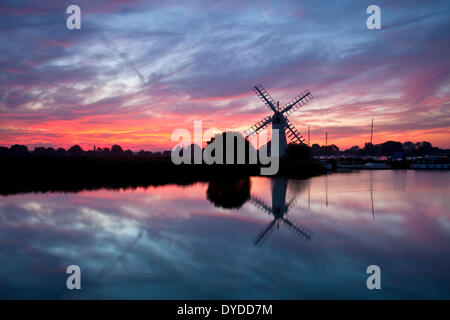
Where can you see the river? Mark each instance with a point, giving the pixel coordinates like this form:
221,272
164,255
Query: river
260,238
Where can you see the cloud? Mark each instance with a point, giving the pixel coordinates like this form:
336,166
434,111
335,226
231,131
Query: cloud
194,61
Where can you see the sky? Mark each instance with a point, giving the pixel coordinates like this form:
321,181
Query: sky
138,70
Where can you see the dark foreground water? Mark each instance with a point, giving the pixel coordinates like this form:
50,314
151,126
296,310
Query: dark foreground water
288,240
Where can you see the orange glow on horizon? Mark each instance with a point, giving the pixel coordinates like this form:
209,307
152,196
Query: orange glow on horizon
147,134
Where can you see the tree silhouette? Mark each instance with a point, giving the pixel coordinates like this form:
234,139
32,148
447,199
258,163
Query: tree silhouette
297,152
116,151
75,151
237,140
18,150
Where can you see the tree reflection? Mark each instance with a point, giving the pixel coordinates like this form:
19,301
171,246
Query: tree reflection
229,194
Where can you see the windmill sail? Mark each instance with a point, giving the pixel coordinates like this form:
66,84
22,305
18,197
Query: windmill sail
297,102
262,93
299,229
261,205
260,125
291,203
264,235
293,134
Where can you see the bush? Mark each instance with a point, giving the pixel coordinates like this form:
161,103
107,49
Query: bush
297,152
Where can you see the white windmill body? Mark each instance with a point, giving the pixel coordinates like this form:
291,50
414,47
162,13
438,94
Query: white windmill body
279,118
277,123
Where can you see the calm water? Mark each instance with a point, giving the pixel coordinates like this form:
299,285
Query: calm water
290,239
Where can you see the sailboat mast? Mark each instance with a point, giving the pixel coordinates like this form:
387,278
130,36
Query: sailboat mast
371,132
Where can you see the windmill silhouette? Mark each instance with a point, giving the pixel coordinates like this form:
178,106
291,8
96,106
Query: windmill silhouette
279,212
279,118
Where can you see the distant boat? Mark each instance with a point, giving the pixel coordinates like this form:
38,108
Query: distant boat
430,166
375,165
366,166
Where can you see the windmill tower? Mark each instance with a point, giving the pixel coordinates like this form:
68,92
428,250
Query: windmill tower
279,210
279,118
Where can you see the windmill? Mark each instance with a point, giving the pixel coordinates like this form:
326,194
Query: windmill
279,212
279,118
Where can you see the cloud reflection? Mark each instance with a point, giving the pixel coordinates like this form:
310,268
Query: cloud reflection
170,242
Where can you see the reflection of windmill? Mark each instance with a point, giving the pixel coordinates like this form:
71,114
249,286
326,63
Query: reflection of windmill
279,211
279,118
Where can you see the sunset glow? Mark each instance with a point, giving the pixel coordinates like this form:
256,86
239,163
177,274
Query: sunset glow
137,70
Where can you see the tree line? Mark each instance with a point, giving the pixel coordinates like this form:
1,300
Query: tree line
115,151
387,148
